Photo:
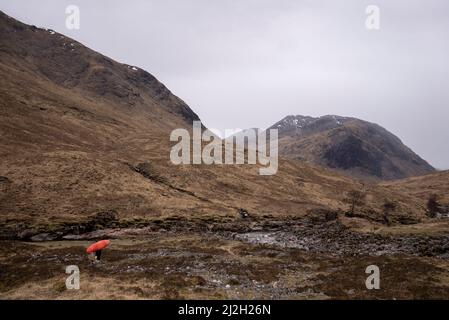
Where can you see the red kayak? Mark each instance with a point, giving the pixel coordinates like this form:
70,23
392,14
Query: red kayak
100,245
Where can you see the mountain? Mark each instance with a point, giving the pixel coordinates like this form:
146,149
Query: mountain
357,147
82,134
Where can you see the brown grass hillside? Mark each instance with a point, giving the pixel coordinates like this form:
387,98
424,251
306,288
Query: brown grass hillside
81,133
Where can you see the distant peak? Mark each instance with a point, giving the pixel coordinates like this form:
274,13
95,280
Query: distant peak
300,121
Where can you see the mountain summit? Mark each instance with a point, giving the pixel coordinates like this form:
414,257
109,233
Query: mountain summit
358,147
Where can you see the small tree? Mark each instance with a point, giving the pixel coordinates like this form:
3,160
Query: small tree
388,207
355,198
433,206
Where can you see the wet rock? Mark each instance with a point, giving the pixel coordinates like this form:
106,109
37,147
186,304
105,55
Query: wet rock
44,237
243,213
26,234
336,239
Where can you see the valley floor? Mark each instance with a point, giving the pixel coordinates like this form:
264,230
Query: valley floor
303,261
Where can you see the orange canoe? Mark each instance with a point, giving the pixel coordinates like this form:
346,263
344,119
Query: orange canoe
98,246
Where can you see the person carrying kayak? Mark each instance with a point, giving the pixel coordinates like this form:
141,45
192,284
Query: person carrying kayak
97,247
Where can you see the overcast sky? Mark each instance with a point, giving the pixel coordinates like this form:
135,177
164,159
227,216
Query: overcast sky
249,63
